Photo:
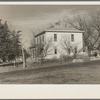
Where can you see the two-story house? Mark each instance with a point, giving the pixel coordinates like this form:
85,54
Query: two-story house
63,42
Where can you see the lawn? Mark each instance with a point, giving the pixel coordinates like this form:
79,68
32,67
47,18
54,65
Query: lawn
76,73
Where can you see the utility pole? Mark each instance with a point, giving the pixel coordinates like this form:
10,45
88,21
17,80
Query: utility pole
23,54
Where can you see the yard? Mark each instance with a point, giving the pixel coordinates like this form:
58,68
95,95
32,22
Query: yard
75,73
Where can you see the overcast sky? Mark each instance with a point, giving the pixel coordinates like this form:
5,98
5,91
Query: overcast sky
28,18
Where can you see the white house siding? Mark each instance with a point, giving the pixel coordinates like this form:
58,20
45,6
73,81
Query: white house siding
78,40
40,39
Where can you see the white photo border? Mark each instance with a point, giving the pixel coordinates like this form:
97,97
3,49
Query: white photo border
51,91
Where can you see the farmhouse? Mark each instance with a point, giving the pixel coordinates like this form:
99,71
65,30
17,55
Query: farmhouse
59,41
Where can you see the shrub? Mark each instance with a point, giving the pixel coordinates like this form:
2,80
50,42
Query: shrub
83,56
66,58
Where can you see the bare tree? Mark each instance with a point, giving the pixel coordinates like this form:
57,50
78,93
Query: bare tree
89,24
95,23
44,49
69,47
66,44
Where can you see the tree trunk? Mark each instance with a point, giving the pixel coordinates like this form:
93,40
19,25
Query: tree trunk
24,63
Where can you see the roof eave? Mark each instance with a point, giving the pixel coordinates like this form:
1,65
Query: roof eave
40,33
65,31
73,31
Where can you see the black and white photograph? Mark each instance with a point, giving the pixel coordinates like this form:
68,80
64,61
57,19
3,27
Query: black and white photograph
49,44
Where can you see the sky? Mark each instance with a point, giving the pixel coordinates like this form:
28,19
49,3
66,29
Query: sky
30,18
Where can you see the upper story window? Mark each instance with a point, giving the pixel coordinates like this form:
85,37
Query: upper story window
55,37
37,40
72,37
40,39
43,38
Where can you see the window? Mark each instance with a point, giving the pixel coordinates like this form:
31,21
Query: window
55,37
69,51
72,37
37,40
55,52
40,39
83,50
34,40
34,53
43,38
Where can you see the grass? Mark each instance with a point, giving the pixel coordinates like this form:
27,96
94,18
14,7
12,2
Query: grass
78,73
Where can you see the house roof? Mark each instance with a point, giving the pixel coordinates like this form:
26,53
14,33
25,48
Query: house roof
59,29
